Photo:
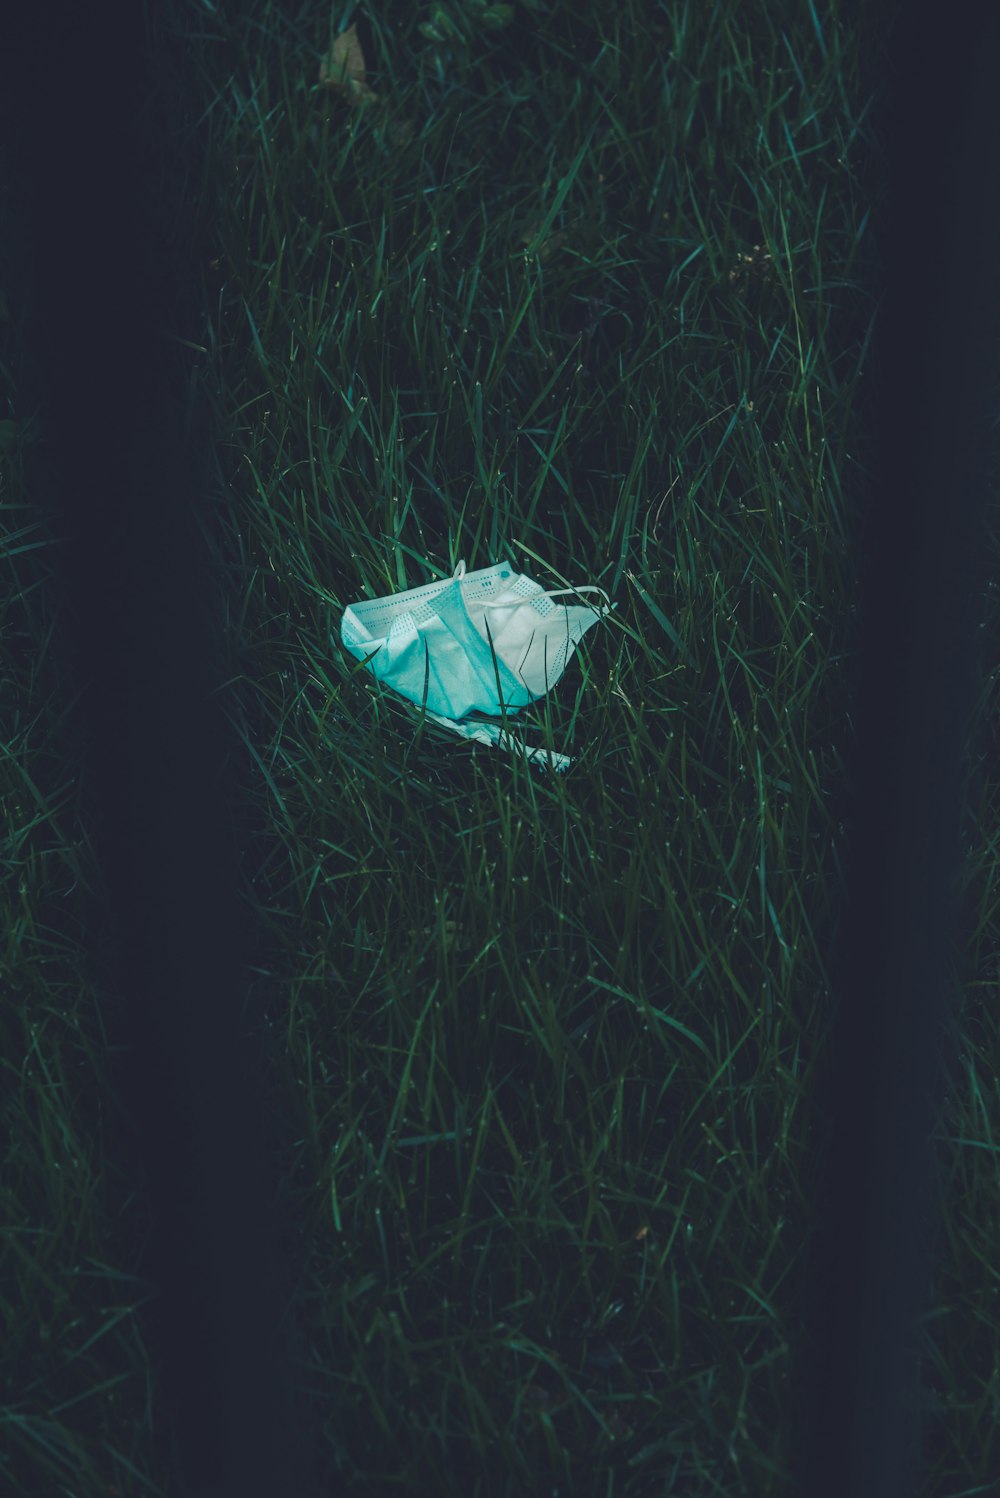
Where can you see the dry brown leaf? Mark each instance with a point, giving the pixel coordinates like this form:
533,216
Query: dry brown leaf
343,69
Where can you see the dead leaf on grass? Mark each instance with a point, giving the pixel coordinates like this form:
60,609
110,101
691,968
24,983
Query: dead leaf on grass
343,69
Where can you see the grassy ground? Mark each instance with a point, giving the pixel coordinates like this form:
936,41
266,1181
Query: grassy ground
591,292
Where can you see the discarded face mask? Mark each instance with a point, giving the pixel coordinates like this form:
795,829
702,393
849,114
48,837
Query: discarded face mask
457,646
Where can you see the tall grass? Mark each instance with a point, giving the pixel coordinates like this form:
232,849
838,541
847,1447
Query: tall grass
592,292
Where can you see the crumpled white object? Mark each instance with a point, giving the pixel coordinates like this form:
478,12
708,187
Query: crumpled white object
485,641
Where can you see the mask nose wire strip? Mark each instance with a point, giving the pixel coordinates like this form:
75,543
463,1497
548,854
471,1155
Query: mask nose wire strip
552,592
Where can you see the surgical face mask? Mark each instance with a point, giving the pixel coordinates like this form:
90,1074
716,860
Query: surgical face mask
470,642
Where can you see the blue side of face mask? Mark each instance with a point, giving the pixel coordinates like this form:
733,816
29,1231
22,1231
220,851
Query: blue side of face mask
461,677
446,655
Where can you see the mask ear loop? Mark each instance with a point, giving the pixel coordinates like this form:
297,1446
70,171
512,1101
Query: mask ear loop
584,588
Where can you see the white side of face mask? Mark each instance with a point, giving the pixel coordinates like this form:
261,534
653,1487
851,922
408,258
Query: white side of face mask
533,636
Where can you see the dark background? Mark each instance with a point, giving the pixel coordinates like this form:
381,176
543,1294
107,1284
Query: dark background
101,182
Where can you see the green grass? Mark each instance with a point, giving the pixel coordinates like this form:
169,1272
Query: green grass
592,293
